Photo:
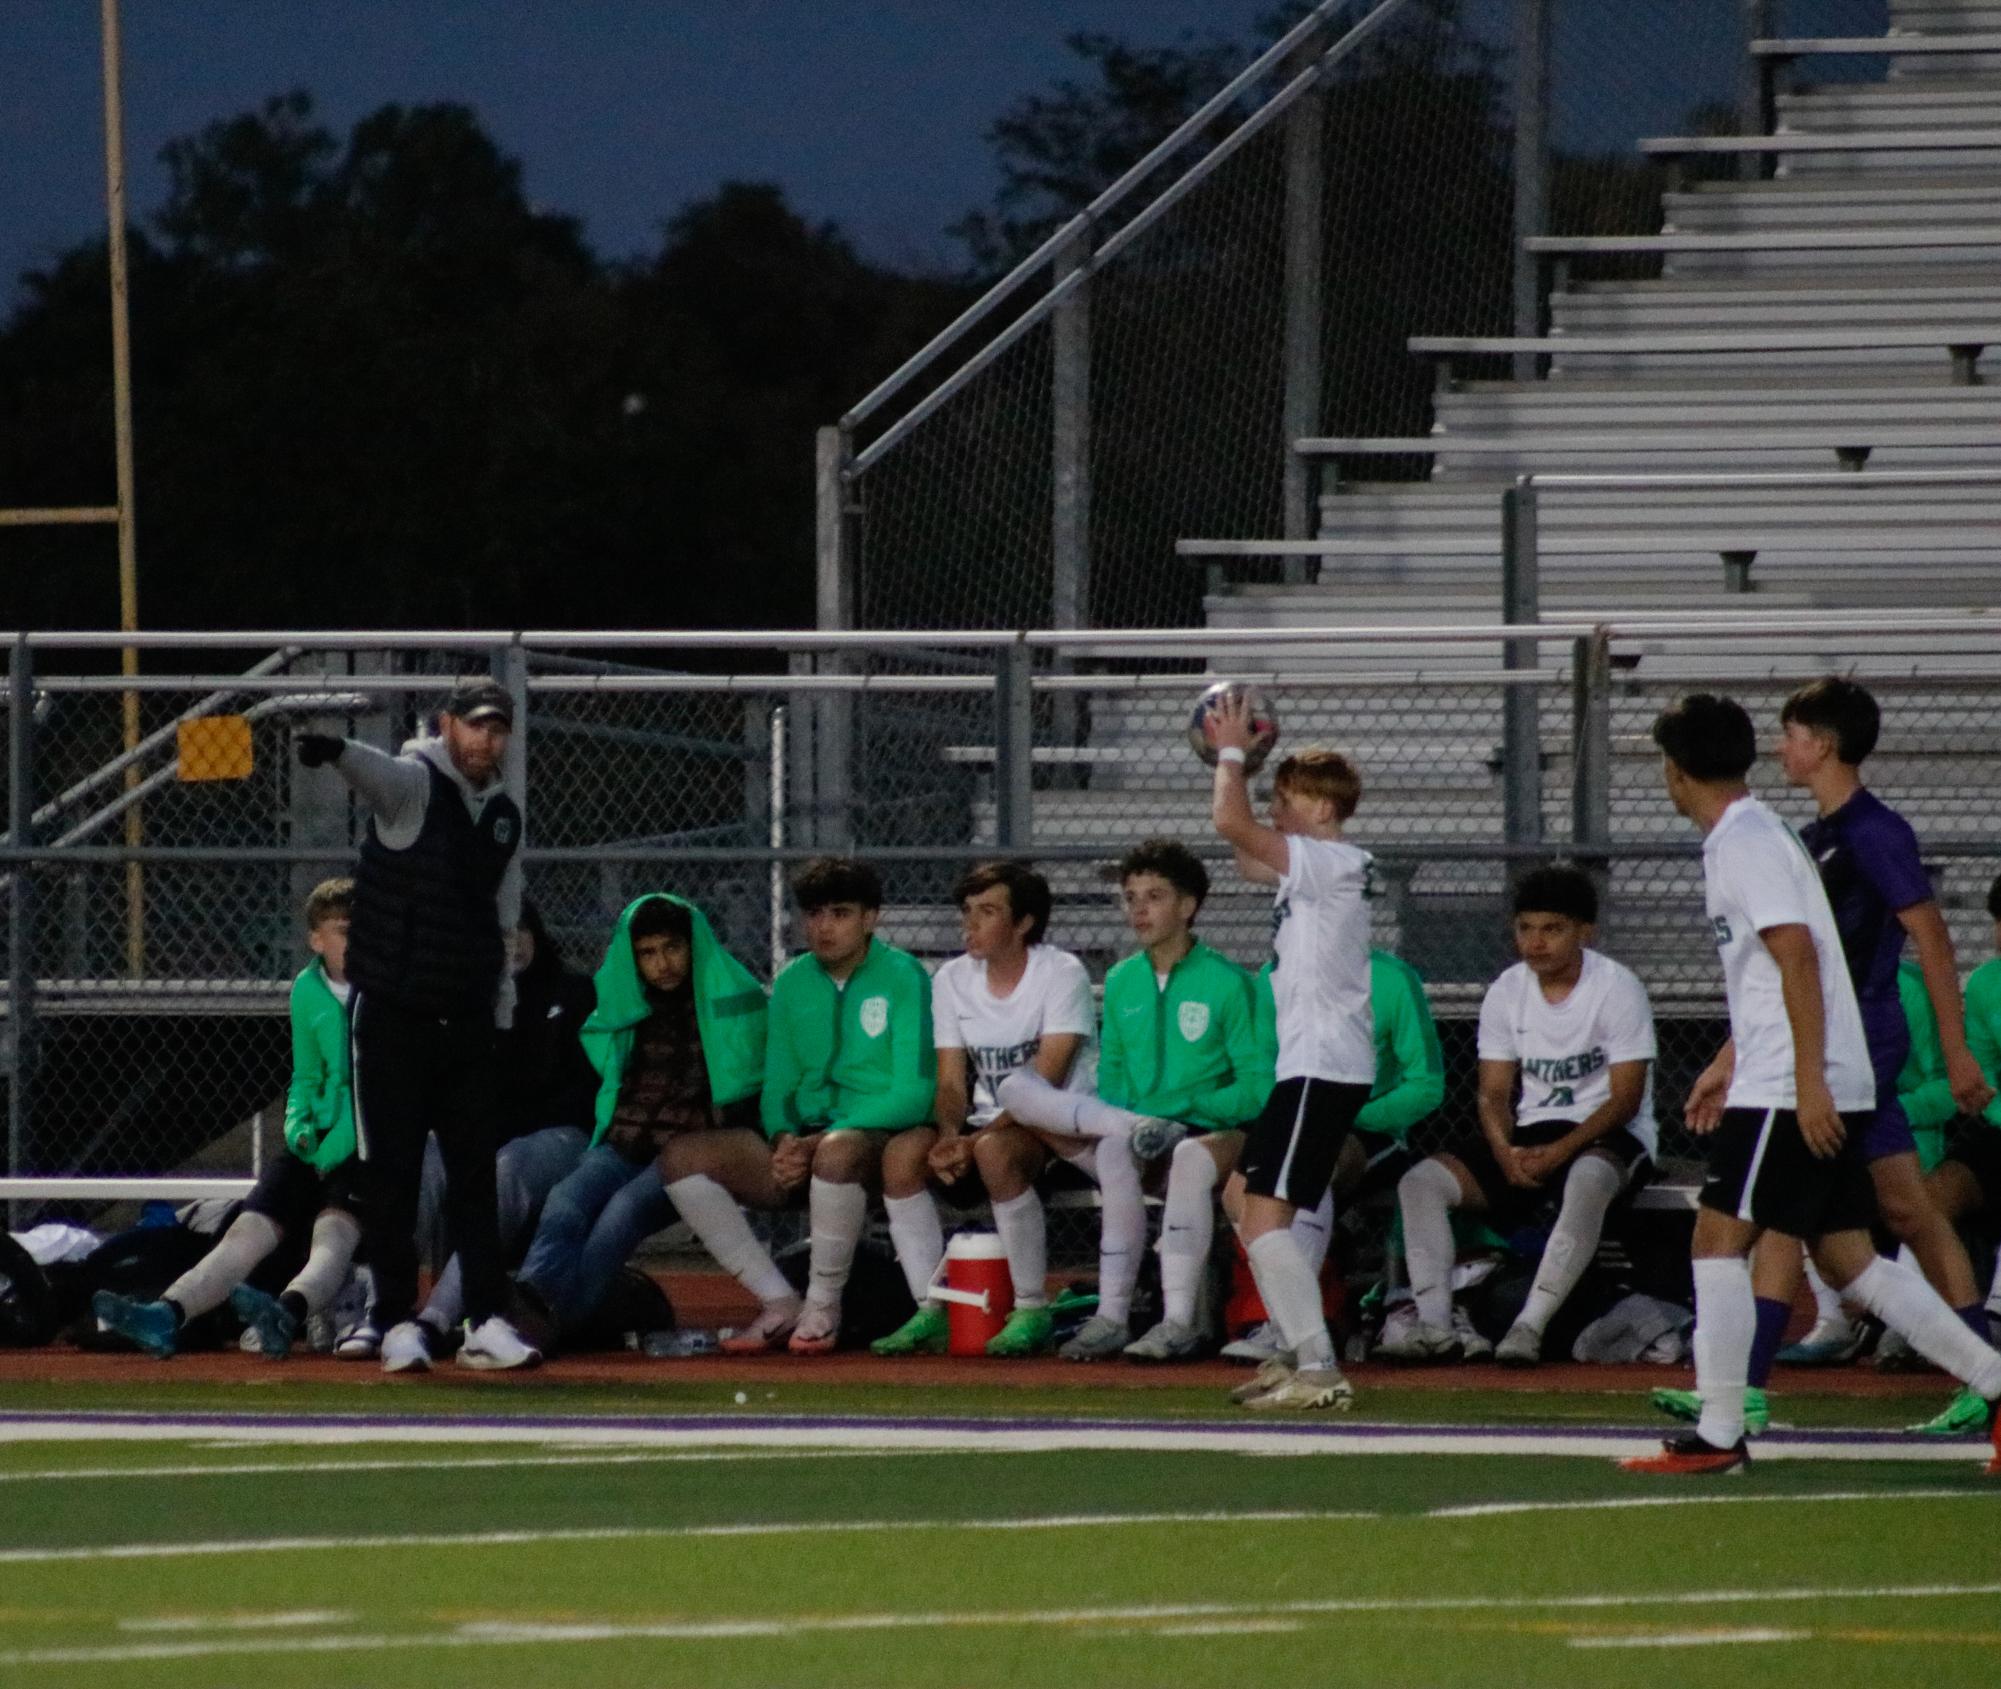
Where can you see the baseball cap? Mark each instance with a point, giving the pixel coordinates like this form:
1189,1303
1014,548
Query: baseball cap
480,697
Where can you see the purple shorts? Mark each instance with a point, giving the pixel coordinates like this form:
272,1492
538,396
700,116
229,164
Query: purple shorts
1890,1132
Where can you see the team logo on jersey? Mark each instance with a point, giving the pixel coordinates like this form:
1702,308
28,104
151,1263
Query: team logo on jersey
1719,926
875,1015
1194,1019
503,831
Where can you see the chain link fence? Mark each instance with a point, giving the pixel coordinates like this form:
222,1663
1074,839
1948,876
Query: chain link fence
148,971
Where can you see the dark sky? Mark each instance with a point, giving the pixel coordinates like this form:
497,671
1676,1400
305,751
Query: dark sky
869,112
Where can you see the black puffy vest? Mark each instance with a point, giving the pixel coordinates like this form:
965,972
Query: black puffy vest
426,932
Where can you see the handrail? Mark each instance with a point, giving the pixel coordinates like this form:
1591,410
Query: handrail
1253,125
1165,149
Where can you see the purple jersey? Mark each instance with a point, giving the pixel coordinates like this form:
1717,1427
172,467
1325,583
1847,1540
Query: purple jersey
1869,864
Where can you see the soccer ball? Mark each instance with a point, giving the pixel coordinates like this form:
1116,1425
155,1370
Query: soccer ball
1264,725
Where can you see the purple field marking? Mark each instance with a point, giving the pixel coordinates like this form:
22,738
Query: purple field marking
169,1424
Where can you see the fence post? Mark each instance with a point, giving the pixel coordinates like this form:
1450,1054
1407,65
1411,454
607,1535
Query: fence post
1591,747
1531,168
1756,105
1521,728
1070,432
1305,215
834,612
1014,746
510,668
20,912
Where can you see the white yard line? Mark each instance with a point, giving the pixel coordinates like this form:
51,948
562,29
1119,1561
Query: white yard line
1692,1638
1619,1504
57,1474
317,1619
702,1630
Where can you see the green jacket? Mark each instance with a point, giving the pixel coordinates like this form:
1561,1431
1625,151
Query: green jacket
856,1058
1921,1083
729,1012
1188,1051
1410,1066
319,1103
1983,1028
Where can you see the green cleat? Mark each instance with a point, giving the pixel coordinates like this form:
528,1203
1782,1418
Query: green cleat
1968,1414
1029,1331
924,1333
1686,1404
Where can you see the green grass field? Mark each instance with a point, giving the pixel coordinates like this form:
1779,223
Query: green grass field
309,1538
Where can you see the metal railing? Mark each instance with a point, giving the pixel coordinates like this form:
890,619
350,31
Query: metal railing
1483,748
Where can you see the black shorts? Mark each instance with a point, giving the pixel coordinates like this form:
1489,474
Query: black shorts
1978,1149
1761,1170
1291,1148
1504,1199
290,1194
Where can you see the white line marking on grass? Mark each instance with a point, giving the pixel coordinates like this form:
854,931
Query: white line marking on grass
702,1630
1692,1638
631,1533
240,1621
1227,1627
57,1474
971,1436
1499,1509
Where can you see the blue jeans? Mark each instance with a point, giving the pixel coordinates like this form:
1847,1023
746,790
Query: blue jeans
525,1172
591,1224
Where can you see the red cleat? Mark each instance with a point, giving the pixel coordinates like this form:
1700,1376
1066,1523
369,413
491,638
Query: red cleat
1688,1454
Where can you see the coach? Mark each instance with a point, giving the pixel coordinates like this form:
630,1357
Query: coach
426,959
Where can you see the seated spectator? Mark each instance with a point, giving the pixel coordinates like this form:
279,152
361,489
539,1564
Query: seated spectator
1967,1180
677,1038
1011,1002
1409,1087
313,1188
848,1063
547,1092
1576,1030
1179,1053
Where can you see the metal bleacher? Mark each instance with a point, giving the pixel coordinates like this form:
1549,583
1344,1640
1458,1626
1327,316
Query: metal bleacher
1808,382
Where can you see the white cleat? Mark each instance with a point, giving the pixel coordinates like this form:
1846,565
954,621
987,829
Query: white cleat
406,1348
1521,1347
1419,1342
1168,1341
1267,1378
495,1346
1472,1346
1309,1390
1258,1345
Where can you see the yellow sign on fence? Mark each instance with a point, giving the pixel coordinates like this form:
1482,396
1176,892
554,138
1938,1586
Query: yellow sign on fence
214,747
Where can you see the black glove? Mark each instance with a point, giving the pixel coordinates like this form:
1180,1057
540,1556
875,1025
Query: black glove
316,750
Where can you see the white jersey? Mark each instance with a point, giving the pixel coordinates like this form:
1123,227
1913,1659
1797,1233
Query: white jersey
1757,875
1566,1050
1320,983
1001,1035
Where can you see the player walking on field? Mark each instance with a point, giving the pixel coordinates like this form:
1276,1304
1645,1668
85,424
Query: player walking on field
1326,1036
1785,1154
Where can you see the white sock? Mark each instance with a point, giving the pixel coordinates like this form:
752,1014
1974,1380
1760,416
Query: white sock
1903,1301
1187,1229
1827,1308
1588,1190
1020,1223
234,1258
836,1213
1313,1231
1033,1101
1427,1194
714,1217
1994,1293
1121,1222
335,1234
1292,1297
919,1240
1726,1317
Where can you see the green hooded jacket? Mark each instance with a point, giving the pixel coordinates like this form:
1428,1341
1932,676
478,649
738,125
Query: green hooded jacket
1410,1066
319,1102
1186,1051
1983,1029
853,1058
1922,1087
730,1012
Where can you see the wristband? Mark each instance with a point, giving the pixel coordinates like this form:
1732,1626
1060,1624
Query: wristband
1231,753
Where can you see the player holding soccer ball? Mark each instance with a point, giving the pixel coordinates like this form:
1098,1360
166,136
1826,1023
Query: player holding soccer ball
1326,1034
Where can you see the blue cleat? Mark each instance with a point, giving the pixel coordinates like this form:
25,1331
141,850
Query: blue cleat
148,1326
276,1329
